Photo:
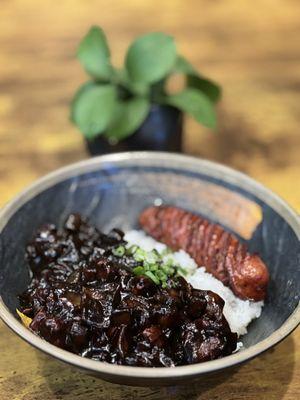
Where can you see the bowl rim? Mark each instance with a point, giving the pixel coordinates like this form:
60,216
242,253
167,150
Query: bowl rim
161,159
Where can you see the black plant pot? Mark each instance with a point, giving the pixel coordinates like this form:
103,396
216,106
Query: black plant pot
161,131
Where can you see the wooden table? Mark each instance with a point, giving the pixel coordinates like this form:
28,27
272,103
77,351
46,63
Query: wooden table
252,48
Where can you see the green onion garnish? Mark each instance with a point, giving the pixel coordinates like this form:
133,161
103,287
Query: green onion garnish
151,257
182,271
139,255
138,270
132,249
119,251
153,277
156,266
153,267
161,276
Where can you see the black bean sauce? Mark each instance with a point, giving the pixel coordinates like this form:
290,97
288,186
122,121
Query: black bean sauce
84,299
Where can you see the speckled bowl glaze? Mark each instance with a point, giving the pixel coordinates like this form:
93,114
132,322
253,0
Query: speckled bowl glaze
112,190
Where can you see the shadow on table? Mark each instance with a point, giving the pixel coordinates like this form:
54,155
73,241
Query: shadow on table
237,142
268,376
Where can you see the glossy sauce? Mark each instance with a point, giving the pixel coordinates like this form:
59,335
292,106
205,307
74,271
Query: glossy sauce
84,299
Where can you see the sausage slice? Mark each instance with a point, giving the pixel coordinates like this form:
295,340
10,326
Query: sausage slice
221,253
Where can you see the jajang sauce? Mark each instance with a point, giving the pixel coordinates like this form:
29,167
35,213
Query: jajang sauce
86,300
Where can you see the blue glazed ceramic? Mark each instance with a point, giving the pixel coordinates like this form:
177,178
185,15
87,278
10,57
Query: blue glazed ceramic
111,191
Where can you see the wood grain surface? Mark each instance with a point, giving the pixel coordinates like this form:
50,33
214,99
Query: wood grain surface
252,48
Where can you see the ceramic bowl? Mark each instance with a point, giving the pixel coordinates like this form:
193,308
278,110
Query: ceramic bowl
112,190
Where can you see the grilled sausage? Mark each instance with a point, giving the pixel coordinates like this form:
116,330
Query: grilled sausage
222,254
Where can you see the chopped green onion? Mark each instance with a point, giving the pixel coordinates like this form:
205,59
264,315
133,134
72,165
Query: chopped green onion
132,249
139,255
166,269
182,271
151,257
138,270
161,275
119,251
146,266
153,277
159,267
153,267
170,262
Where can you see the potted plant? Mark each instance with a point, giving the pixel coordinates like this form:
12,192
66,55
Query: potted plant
131,108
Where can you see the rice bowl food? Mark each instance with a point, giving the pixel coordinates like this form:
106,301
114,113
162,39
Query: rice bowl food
111,191
129,299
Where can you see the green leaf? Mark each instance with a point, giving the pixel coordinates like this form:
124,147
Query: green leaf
139,88
93,53
151,57
83,88
210,88
197,81
93,107
183,66
196,104
128,117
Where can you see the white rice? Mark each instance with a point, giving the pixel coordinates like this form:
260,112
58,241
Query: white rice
239,313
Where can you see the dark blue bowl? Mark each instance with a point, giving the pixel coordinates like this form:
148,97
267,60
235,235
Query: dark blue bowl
111,191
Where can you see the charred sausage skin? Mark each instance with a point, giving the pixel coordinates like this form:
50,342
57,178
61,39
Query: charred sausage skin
222,254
